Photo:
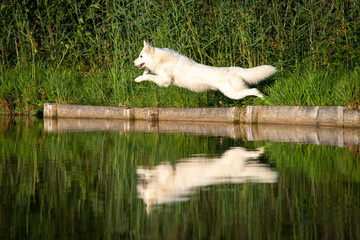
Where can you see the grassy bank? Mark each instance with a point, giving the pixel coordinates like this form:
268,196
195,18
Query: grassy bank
81,51
21,93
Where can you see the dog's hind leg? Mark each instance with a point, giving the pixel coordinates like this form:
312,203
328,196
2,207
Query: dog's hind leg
238,94
160,81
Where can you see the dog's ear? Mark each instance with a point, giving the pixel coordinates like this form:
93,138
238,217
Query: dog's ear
147,47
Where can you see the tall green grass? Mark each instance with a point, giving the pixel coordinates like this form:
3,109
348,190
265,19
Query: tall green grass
314,88
93,42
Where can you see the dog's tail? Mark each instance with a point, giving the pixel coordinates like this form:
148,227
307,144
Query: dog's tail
256,74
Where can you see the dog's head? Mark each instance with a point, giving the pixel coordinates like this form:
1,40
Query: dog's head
143,59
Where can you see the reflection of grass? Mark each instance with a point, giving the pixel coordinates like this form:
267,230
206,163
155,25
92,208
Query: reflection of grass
317,162
76,52
84,184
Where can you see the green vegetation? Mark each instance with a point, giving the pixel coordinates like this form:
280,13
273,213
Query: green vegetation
81,51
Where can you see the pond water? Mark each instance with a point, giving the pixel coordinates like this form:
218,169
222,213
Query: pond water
97,179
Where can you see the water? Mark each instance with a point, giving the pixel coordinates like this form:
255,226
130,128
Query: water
72,179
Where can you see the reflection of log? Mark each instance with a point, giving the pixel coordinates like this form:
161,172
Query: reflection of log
166,183
277,133
4,123
200,128
302,134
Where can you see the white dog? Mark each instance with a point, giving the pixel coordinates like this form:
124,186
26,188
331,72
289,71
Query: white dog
172,68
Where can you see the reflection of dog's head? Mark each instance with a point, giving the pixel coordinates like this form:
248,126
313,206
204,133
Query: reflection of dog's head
143,58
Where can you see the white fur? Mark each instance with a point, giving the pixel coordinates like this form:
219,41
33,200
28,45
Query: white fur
172,68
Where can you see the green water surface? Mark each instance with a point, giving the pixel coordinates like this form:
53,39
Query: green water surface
135,185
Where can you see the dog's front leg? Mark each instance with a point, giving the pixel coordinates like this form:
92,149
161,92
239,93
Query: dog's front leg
146,71
161,81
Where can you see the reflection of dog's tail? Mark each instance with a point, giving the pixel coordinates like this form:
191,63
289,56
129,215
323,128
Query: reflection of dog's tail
236,152
256,74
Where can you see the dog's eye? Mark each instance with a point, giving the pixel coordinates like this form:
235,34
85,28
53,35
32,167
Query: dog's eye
141,56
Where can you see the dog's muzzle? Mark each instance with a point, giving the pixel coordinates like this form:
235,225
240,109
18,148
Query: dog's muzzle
139,66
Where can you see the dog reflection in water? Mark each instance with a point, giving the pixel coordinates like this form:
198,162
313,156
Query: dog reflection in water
168,183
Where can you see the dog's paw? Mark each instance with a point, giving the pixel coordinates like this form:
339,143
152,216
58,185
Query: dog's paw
146,71
258,94
140,79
